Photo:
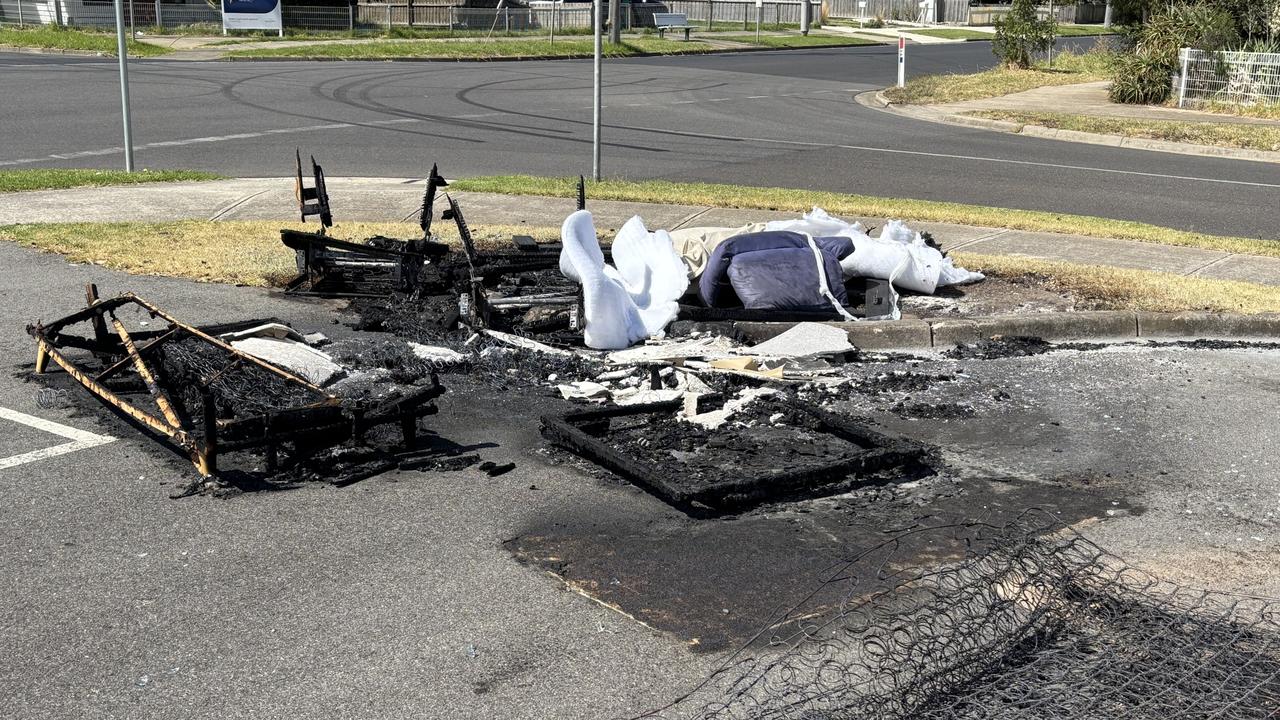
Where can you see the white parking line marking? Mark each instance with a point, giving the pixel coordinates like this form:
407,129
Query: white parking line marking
80,439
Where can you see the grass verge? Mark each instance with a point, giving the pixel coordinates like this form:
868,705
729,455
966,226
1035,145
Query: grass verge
1233,135
250,253
953,33
1068,69
239,252
1267,111
58,179
1084,30
1137,290
57,38
764,198
468,50
797,41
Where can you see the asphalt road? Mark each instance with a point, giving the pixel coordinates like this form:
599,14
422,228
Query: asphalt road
775,119
399,597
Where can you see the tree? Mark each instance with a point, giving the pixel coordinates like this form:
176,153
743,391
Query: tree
1021,33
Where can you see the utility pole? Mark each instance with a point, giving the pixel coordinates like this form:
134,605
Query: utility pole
595,115
123,50
1106,21
615,22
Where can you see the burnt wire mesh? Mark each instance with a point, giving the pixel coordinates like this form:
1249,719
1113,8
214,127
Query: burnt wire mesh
239,387
1008,622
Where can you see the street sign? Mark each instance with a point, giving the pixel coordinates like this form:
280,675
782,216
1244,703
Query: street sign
252,15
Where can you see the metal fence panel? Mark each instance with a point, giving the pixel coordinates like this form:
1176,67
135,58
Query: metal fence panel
735,11
26,12
947,11
1234,78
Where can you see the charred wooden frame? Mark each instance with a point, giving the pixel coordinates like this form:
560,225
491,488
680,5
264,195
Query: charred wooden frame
319,420
582,432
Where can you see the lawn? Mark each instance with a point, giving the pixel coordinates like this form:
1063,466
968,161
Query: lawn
1233,135
1068,69
57,179
487,50
765,198
1084,30
56,38
954,33
797,41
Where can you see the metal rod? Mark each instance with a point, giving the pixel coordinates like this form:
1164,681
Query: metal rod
122,50
595,117
125,361
153,387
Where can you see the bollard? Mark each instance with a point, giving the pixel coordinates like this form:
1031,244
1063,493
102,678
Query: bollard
902,61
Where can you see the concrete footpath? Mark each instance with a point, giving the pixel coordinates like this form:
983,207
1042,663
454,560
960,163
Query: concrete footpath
397,200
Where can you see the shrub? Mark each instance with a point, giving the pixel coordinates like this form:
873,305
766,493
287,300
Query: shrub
1146,76
1020,34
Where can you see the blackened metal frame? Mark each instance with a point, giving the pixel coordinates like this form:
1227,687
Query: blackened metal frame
578,431
324,421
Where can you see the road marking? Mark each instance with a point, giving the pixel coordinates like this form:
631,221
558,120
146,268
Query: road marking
976,158
80,439
208,139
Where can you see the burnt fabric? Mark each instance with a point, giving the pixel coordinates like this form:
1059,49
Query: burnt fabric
774,270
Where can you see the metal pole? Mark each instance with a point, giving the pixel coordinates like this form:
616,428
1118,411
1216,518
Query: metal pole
133,31
122,49
759,17
159,22
553,20
1053,39
20,23
805,10
595,121
1106,19
1182,82
615,22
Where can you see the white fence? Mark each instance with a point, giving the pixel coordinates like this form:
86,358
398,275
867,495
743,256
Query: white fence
1234,78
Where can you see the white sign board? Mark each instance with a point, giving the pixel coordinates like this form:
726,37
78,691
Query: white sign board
252,15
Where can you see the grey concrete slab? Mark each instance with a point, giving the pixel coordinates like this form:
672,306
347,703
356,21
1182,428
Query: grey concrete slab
550,212
1248,268
1098,251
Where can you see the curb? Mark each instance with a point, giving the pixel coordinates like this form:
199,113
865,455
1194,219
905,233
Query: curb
59,51
876,99
527,58
1060,327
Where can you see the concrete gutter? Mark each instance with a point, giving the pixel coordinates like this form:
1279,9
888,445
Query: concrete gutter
876,99
1108,325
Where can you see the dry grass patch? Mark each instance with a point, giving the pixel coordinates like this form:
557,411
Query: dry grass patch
1137,290
1068,69
1233,135
238,252
759,198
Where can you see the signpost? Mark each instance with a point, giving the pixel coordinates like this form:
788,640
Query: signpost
122,51
252,15
902,62
759,17
595,116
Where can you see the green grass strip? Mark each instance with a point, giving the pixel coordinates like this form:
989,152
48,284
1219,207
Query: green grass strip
477,50
57,38
57,179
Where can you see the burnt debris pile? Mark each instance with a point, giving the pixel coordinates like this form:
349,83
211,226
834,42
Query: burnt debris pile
1028,620
424,288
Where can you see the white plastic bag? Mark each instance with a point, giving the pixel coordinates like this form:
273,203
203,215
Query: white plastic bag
633,301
